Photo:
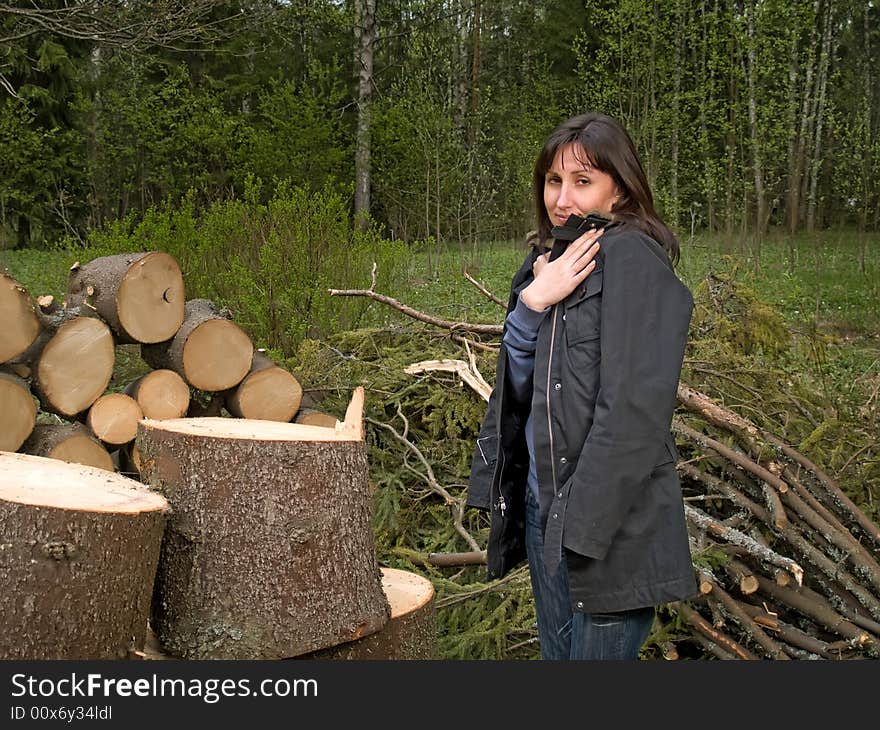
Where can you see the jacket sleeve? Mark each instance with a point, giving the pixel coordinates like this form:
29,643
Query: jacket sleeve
485,453
645,315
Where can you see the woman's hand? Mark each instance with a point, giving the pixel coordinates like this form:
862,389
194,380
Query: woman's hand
555,280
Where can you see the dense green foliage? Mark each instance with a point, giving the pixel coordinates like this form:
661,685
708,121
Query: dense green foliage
748,114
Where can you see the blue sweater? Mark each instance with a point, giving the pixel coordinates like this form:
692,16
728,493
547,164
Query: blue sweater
521,339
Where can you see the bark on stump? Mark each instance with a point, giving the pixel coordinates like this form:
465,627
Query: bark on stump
18,412
21,325
410,633
269,552
140,295
70,442
209,351
78,554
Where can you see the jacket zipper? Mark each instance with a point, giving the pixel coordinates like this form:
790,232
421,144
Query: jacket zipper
549,420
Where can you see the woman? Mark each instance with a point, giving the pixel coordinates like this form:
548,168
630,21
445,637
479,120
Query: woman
575,460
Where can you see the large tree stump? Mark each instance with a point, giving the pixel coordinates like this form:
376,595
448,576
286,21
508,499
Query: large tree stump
75,366
140,295
21,325
267,393
78,555
71,442
411,633
161,394
269,552
209,351
18,412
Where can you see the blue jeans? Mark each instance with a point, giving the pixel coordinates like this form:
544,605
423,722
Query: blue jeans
568,634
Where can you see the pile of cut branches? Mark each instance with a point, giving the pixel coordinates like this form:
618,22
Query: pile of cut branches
786,555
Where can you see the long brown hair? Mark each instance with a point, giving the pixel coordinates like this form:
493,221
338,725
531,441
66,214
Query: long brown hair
608,147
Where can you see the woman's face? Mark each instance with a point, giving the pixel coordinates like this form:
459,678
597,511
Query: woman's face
572,185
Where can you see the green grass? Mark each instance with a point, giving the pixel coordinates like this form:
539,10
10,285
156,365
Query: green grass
814,280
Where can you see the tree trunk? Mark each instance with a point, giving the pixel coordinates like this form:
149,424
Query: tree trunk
817,149
209,351
70,442
410,632
21,325
161,394
140,295
269,552
796,184
268,393
80,549
365,37
75,366
750,71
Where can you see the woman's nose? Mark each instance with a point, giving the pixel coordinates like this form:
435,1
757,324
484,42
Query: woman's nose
564,194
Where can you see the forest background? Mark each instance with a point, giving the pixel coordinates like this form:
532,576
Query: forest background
278,149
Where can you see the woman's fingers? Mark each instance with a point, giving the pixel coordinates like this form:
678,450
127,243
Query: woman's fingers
586,256
581,245
585,272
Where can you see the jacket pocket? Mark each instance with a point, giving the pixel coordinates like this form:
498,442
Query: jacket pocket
583,309
487,448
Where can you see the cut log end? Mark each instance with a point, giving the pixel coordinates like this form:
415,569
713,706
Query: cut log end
47,482
270,394
114,418
76,365
161,394
309,417
72,442
250,429
217,355
18,412
21,325
150,300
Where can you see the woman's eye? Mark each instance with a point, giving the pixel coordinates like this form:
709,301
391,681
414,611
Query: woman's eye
583,181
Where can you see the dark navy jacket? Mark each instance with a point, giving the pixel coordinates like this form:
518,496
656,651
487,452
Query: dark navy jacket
607,365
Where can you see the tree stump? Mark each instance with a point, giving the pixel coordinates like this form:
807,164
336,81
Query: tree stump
18,412
161,394
409,634
269,552
75,366
140,295
70,442
209,351
21,325
78,554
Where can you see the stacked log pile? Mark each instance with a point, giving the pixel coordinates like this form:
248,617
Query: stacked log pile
57,362
269,551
